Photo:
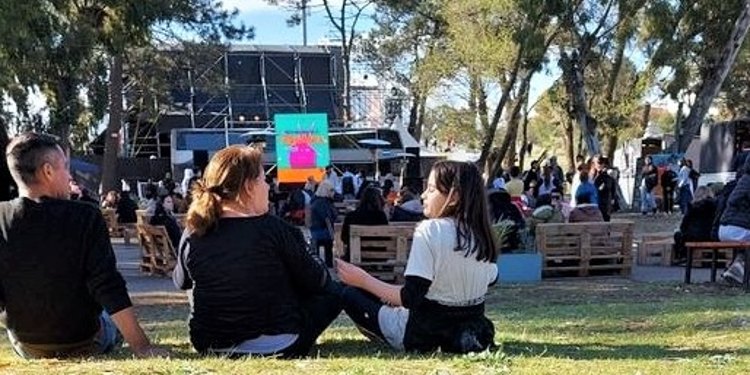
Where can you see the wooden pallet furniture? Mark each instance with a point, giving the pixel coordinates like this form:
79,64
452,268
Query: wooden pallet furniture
655,249
157,253
585,247
144,218
343,208
116,229
338,244
381,250
715,248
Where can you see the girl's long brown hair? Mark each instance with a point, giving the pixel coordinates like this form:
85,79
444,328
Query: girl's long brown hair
473,232
223,180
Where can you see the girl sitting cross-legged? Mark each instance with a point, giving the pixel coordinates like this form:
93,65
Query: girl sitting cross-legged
256,287
450,266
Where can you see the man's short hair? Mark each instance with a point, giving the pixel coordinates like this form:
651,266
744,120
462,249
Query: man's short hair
27,152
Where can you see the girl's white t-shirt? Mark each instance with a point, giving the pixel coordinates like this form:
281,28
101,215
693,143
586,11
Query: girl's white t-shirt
457,280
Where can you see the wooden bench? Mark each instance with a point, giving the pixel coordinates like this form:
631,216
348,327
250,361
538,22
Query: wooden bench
343,208
338,244
585,247
144,218
157,253
655,249
381,250
715,248
115,228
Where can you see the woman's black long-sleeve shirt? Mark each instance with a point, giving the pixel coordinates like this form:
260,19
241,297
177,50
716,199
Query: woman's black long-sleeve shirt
248,276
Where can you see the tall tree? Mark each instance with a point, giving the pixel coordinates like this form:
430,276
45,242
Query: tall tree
590,27
65,48
397,47
715,78
502,42
696,41
344,21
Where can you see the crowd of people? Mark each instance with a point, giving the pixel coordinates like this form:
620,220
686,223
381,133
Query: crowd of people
255,284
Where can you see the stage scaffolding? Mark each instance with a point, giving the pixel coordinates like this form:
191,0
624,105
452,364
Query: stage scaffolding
247,85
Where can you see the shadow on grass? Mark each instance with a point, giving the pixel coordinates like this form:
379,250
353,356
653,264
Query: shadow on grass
354,348
593,351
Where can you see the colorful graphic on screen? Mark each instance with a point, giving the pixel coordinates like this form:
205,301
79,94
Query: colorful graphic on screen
302,148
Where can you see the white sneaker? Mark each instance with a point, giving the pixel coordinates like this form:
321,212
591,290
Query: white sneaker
735,272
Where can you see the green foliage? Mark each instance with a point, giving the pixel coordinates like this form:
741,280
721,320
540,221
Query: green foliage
687,37
450,126
736,91
547,125
63,47
481,34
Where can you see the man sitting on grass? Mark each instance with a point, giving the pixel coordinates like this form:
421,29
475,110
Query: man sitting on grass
57,267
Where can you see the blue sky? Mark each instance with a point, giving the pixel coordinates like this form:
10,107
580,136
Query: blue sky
270,22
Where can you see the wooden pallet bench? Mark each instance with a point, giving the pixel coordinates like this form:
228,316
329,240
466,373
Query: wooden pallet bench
157,253
381,250
715,248
655,249
115,228
585,247
338,245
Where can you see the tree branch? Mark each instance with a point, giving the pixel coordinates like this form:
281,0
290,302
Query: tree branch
330,15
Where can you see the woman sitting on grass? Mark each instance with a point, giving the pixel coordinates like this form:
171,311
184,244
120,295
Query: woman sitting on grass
256,289
451,264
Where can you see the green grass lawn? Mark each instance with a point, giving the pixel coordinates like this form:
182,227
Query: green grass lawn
602,326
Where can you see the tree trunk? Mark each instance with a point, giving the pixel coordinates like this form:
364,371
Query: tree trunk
715,78
570,152
112,135
420,118
572,68
489,136
612,140
64,113
510,157
414,116
524,137
511,133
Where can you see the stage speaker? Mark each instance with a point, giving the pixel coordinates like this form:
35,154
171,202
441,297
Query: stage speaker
414,168
200,160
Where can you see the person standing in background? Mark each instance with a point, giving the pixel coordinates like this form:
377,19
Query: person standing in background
685,186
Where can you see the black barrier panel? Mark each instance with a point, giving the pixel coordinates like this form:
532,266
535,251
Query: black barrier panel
244,69
280,69
246,96
316,70
283,97
322,101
